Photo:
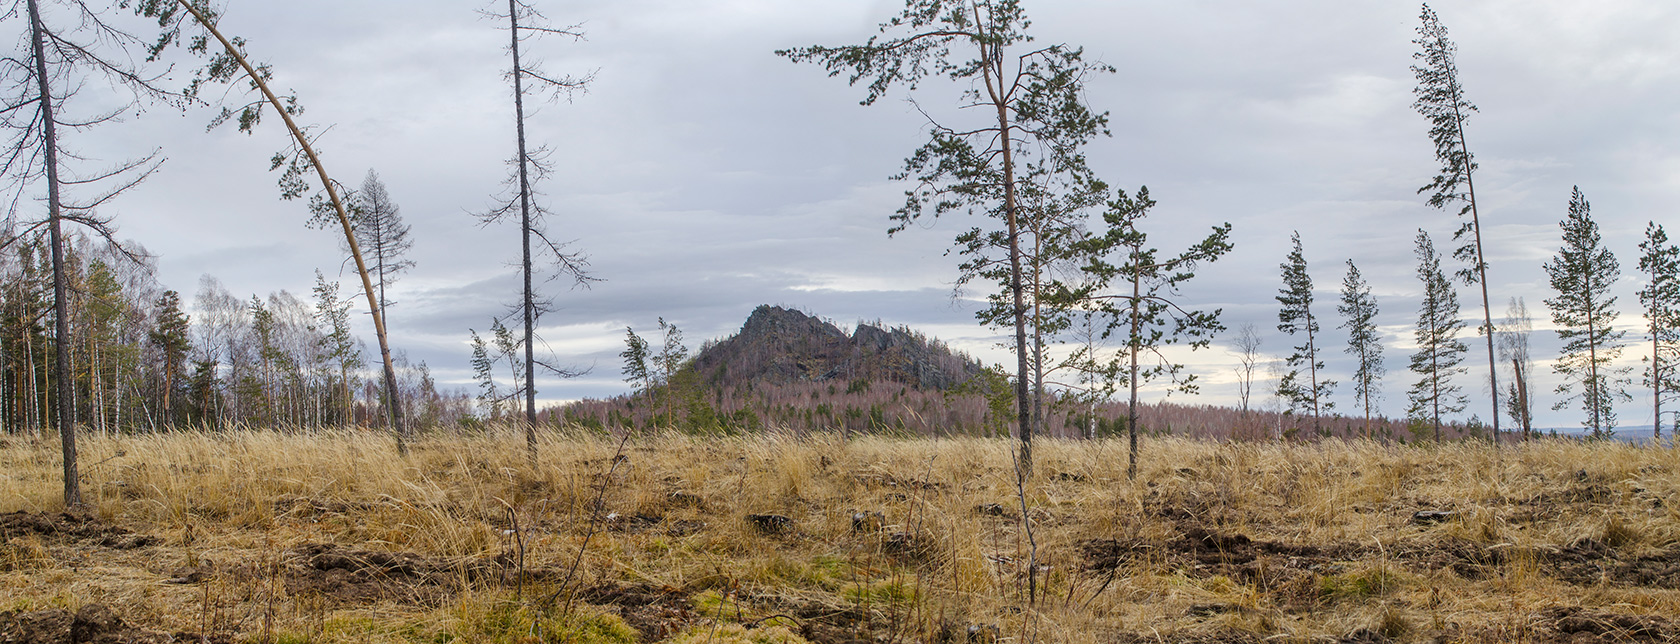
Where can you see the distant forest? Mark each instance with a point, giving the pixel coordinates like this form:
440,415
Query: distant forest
145,358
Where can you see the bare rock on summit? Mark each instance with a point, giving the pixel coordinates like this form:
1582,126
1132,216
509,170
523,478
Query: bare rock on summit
781,346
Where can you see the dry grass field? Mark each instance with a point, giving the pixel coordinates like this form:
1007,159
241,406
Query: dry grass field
265,537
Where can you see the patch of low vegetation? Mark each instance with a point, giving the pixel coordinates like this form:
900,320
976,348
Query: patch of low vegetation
333,537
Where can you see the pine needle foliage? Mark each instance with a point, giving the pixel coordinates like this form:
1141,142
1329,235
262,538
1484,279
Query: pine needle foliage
1440,353
1660,261
1146,308
1441,99
1020,163
1359,312
1582,273
1296,317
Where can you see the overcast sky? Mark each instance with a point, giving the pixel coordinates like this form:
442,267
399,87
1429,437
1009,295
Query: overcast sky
704,176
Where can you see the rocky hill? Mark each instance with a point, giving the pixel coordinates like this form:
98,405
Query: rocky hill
791,371
780,346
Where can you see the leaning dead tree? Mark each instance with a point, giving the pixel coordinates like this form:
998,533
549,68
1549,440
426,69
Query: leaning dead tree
233,64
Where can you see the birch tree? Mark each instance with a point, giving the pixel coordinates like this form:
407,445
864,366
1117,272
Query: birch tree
1513,351
1248,361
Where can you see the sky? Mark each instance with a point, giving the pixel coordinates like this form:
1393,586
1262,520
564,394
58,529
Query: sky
703,176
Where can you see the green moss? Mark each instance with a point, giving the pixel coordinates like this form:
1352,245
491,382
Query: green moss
737,634
1360,584
715,605
890,592
822,572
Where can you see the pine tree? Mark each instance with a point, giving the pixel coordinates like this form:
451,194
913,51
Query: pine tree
1027,136
669,361
1660,260
1359,308
1582,273
170,337
382,234
1146,310
1440,353
1440,98
230,64
636,369
1296,317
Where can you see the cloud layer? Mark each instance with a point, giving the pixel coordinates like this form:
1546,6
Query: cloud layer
704,176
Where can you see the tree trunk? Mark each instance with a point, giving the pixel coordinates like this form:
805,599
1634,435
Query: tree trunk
393,408
525,237
61,309
1023,403
1481,272
1592,391
1134,339
1312,370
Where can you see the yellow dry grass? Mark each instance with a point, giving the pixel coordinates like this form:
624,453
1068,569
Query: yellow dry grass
1212,542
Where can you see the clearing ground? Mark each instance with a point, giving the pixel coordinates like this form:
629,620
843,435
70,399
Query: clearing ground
333,537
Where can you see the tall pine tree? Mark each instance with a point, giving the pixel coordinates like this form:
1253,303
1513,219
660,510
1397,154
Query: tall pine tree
523,203
1296,317
1582,273
1440,98
1660,261
1359,310
1440,353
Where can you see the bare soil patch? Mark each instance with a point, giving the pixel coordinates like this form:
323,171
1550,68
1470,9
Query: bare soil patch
93,624
65,526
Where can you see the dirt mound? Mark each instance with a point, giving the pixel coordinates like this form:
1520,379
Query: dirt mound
657,612
1583,563
72,525
361,576
1199,547
1578,625
93,624
1657,570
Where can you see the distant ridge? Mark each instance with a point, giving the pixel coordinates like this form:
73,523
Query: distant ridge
791,371
781,346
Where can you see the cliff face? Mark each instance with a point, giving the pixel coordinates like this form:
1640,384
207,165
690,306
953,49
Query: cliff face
781,346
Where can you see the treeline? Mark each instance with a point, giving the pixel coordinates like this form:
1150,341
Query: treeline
861,406
143,358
